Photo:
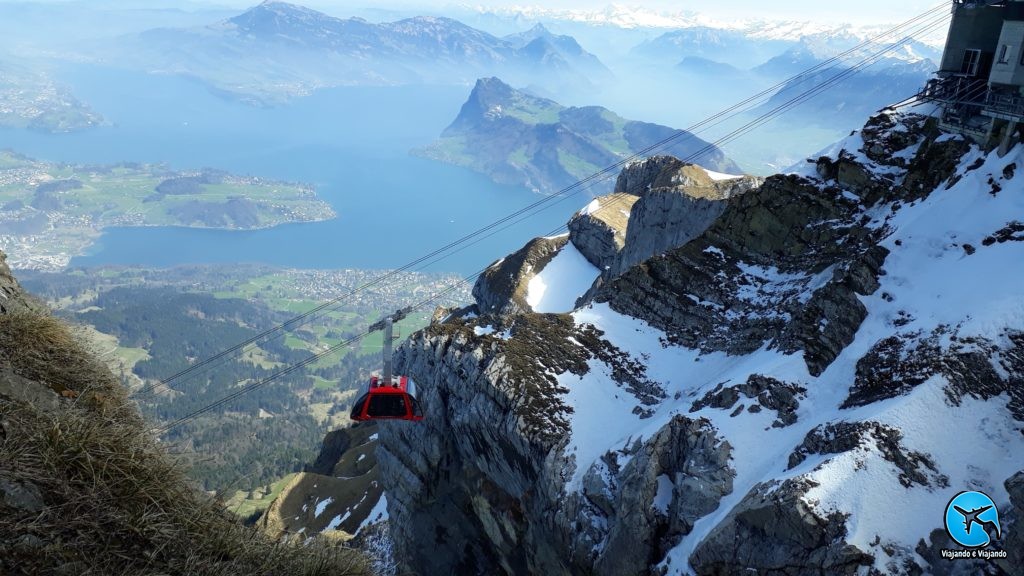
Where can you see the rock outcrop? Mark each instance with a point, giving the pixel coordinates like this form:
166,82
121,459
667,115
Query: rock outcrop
502,288
678,202
773,531
482,498
12,297
664,201
599,231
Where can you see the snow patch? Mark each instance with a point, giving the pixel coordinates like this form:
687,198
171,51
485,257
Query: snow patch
720,176
663,497
320,507
379,513
337,520
567,277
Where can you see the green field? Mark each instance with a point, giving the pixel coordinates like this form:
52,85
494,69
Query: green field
243,506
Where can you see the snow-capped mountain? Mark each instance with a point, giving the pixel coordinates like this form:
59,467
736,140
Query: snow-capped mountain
796,381
637,17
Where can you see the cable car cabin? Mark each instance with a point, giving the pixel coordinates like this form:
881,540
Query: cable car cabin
381,401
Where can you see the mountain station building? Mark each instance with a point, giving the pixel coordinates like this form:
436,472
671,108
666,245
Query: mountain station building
980,84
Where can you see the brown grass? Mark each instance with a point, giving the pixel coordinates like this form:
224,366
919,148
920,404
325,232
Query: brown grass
113,500
44,349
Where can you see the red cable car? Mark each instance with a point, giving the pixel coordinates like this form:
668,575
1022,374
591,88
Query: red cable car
388,397
381,401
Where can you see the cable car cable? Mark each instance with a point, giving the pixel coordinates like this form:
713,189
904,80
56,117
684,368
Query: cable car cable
750,126
598,175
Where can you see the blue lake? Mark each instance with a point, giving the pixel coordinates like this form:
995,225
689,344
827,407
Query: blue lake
351,143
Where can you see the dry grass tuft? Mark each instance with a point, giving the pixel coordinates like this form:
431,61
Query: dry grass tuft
103,496
43,349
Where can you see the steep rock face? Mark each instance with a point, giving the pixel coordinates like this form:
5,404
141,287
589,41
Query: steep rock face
502,288
678,201
744,283
1014,542
12,297
773,531
471,500
599,230
771,395
482,499
676,478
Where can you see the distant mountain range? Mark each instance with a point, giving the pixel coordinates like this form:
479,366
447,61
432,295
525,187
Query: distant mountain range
887,81
278,50
517,138
855,96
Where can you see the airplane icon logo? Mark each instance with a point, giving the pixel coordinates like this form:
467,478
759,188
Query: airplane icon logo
972,520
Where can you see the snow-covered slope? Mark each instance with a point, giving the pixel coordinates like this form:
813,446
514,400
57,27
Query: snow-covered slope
799,388
934,288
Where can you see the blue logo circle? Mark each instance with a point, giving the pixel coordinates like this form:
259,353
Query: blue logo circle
972,520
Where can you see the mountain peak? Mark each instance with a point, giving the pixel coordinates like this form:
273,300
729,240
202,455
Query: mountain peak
492,99
491,86
280,7
272,17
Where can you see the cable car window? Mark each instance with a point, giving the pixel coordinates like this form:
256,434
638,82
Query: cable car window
972,58
387,406
416,410
357,409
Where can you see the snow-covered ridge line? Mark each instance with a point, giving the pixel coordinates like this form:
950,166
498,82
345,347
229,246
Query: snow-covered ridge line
632,17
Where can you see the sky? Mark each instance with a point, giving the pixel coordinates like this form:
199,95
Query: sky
859,12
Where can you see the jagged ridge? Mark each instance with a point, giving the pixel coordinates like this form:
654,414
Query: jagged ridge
807,303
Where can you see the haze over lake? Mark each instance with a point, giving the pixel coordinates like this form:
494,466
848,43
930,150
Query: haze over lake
351,143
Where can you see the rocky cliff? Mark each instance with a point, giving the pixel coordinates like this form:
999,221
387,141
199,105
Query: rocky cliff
791,376
12,298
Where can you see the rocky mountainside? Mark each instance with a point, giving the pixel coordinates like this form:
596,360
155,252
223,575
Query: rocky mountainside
798,386
86,489
518,138
338,495
559,50
278,50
